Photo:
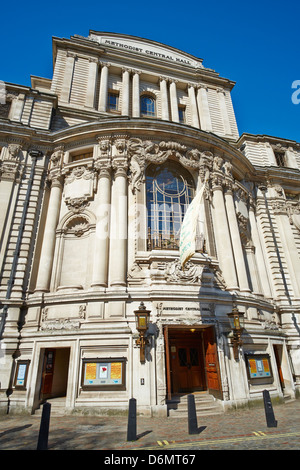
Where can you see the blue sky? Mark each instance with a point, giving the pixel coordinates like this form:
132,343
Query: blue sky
255,44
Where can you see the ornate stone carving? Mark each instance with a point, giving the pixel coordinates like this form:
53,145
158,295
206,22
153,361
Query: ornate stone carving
77,226
79,172
60,324
191,273
57,156
77,204
13,151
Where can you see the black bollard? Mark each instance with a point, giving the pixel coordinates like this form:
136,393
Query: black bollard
271,421
44,428
131,426
192,417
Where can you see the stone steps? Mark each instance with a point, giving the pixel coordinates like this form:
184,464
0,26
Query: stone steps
58,407
206,405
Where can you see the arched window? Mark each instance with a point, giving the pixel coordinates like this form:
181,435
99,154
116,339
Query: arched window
170,189
147,105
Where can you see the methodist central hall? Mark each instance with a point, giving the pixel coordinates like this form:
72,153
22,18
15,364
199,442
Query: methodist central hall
110,171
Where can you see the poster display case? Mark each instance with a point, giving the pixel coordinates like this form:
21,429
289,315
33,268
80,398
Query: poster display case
103,374
21,374
259,366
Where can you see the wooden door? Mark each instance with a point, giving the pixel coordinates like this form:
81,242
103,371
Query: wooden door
186,365
48,370
212,363
278,355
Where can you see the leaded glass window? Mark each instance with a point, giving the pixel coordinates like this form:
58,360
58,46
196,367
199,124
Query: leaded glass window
147,105
170,190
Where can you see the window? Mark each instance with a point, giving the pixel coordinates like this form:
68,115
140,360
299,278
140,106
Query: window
113,102
82,155
170,189
181,113
147,105
280,160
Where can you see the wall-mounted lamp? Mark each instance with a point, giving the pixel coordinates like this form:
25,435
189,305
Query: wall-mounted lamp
236,320
142,316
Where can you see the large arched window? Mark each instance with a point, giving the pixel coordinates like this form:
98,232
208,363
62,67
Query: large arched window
170,189
147,105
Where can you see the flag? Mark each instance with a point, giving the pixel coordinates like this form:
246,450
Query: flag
187,243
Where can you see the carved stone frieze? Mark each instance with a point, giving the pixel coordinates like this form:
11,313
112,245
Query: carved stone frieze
61,324
191,273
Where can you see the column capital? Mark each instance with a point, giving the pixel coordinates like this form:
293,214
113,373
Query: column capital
56,179
127,69
103,166
201,86
105,64
163,79
120,166
94,59
72,54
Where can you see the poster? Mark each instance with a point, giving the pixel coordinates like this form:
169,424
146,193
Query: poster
21,374
90,371
116,370
103,372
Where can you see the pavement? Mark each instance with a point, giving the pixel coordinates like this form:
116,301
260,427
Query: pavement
245,429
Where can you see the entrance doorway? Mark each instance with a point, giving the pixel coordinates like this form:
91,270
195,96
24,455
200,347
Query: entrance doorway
278,357
55,373
192,361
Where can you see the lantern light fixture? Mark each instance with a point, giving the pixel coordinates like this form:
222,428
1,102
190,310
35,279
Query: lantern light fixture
142,316
236,320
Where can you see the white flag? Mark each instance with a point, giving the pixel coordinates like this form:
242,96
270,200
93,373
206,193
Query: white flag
187,245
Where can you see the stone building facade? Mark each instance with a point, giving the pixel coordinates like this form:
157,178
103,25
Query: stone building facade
97,168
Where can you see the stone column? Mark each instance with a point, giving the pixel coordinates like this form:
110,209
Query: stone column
91,84
164,99
136,94
46,258
204,114
193,104
236,241
68,77
260,260
103,200
223,109
288,244
222,235
118,233
102,104
174,101
125,91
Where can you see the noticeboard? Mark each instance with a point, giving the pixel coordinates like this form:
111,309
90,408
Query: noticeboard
259,366
21,374
103,374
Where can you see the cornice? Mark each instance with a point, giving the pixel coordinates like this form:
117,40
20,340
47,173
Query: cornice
267,138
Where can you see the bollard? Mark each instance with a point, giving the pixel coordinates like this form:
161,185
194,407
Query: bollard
192,417
271,421
131,426
44,428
